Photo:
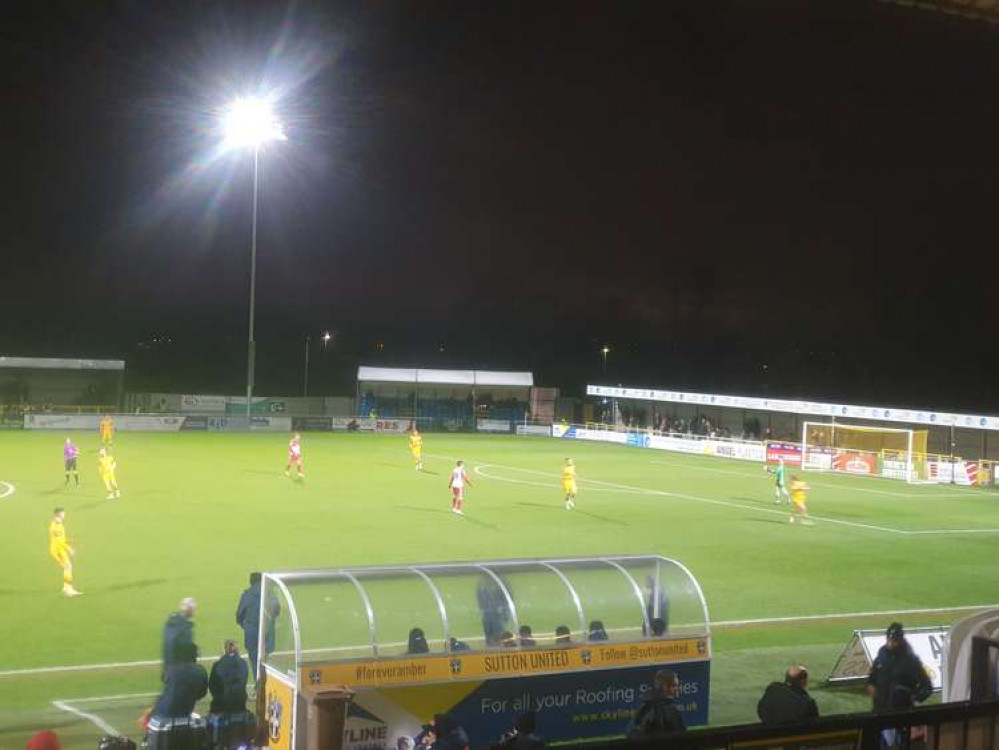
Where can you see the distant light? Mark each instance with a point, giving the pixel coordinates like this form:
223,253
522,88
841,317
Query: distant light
605,350
250,121
326,337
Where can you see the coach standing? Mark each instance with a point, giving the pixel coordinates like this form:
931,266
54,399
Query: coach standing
897,678
248,618
178,636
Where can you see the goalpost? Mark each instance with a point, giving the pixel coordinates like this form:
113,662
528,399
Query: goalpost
864,449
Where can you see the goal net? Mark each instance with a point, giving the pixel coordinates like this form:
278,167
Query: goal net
865,449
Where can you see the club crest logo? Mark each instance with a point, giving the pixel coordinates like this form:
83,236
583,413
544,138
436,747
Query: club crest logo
455,666
586,656
274,717
701,647
315,676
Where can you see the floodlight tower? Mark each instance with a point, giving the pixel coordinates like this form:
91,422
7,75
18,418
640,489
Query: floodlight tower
250,122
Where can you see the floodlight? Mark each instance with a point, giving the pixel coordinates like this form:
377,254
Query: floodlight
250,121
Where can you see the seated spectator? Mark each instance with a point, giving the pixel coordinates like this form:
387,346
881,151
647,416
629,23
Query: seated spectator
659,713
522,737
417,642
44,740
227,682
455,645
427,737
507,640
526,636
657,628
788,702
562,635
597,631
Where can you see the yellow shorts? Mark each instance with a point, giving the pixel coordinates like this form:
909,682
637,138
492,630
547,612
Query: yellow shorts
62,558
417,454
108,479
569,488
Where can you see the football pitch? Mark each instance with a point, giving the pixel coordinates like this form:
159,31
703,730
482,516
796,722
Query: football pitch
199,511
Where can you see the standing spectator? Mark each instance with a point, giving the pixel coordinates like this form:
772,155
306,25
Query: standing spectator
897,678
227,681
178,635
788,702
656,602
659,713
450,734
185,683
248,618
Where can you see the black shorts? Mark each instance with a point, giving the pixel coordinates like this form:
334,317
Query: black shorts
70,464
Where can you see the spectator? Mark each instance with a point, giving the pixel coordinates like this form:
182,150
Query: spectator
450,734
656,602
562,635
178,635
658,627
404,743
526,636
248,618
597,631
185,683
427,737
227,682
44,740
494,609
788,702
522,737
417,642
455,645
897,678
659,713
506,640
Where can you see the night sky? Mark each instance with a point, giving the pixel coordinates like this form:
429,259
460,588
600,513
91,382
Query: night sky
783,198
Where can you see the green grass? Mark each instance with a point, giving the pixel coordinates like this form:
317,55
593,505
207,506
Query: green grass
199,511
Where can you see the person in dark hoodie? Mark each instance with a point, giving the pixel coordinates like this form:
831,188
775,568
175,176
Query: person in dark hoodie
417,642
185,683
450,734
659,713
897,678
523,736
178,635
788,702
227,682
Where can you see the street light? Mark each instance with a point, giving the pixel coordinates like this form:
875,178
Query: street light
326,339
250,122
604,351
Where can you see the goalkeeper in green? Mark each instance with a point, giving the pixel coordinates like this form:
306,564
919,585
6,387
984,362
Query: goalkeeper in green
780,482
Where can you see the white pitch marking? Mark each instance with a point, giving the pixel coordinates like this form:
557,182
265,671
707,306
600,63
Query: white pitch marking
847,615
7,491
99,698
97,720
710,501
752,475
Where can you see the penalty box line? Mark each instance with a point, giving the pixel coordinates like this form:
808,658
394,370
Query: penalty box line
724,503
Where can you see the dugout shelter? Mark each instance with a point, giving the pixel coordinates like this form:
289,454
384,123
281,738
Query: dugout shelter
575,640
453,400
64,385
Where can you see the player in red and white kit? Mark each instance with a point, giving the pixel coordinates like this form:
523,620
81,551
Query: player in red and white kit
457,484
295,456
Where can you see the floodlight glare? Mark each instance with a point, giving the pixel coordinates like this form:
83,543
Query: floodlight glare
250,121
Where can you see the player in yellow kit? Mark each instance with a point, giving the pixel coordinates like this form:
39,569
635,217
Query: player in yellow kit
569,483
61,551
798,500
107,430
416,448
107,467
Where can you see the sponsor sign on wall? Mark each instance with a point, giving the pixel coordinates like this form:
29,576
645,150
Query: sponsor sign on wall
790,452
204,404
854,463
959,472
534,429
492,425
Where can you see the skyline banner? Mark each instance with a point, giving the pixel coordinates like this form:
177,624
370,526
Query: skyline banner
790,406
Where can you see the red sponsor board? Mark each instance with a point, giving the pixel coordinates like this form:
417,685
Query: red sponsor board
790,452
853,463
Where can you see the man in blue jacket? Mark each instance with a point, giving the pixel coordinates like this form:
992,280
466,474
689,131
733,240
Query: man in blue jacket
248,618
178,635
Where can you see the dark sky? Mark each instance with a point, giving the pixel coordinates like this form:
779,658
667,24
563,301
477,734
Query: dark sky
741,196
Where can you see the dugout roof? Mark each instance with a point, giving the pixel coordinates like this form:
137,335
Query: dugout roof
343,614
444,377
51,363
